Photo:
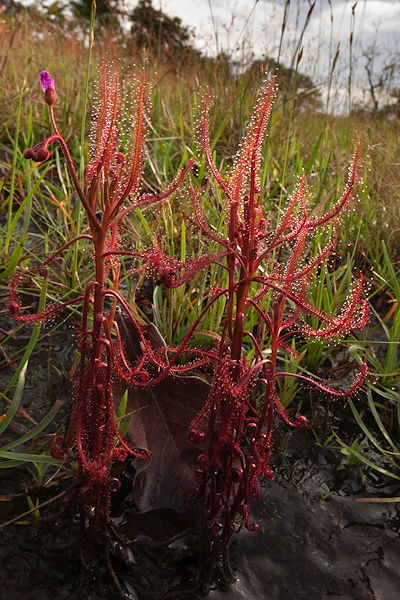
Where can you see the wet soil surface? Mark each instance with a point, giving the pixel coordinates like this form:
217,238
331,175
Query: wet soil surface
316,541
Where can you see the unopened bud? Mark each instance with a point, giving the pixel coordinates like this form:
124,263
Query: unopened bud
50,96
28,154
41,155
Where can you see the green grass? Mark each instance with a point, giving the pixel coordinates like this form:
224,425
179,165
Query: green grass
11,458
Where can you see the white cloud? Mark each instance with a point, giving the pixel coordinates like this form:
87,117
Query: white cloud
264,17
255,25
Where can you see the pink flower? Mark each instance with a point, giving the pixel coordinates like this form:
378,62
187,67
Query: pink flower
47,84
46,81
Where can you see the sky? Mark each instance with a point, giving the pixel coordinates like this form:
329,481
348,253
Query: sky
253,28
249,29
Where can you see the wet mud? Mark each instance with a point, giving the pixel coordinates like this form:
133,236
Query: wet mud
316,541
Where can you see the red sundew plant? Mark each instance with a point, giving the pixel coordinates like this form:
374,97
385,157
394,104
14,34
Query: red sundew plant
110,191
263,260
269,273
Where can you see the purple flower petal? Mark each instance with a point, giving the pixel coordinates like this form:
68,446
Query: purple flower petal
46,81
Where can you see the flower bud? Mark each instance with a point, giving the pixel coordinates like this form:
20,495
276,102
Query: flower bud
41,155
50,97
28,154
47,84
